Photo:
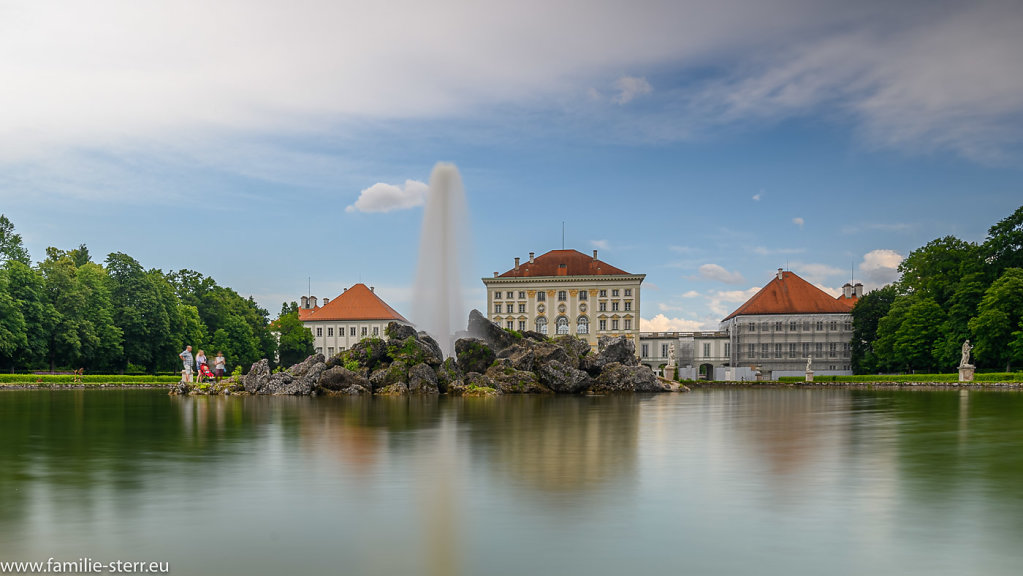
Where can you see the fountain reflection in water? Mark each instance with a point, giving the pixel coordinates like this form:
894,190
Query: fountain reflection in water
443,248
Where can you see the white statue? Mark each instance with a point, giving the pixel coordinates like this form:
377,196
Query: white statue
964,362
671,354
809,361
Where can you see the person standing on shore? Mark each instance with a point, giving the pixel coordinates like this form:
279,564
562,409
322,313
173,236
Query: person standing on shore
186,359
218,366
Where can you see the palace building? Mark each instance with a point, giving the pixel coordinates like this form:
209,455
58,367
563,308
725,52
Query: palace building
789,320
356,314
566,292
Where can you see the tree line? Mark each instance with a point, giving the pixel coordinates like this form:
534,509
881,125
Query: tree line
68,312
949,290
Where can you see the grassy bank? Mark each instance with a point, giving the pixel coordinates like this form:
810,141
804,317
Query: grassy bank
86,379
1006,377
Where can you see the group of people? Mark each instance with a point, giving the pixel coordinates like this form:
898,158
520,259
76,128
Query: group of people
200,364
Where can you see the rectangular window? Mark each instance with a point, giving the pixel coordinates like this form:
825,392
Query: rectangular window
351,332
818,349
522,308
522,325
614,293
319,350
509,295
792,350
645,350
820,325
603,294
562,295
522,294
806,326
602,306
319,332
330,351
583,295
628,323
792,326
834,325
832,348
497,295
777,350
765,351
752,350
777,326
628,305
510,325
497,308
845,350
628,291
752,327
602,324
848,324
364,331
706,349
376,330
330,331
614,306
664,350
728,349
614,324
806,349
541,296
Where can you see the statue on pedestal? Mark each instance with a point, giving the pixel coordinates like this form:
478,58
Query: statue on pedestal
809,362
671,354
964,362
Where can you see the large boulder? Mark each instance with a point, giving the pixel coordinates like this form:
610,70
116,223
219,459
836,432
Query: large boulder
447,373
474,384
474,354
395,373
562,378
397,331
521,355
621,378
422,380
305,376
399,389
303,367
535,336
416,349
618,349
574,346
370,353
496,337
511,381
339,378
258,376
545,352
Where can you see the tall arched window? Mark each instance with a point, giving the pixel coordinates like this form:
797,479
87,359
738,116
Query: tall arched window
583,327
562,325
541,324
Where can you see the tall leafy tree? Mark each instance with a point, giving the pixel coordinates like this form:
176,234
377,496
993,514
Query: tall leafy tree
12,324
27,288
915,337
867,313
102,348
934,270
1004,244
999,316
11,246
68,298
296,341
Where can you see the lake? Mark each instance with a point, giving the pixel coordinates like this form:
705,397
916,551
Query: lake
718,481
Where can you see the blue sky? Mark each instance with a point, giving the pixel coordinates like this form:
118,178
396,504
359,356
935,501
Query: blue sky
702,143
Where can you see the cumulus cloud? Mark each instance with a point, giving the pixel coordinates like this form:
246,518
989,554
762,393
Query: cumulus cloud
662,323
691,294
629,87
880,267
382,197
756,197
720,274
798,221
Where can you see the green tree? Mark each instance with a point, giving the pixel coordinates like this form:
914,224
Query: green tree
68,298
27,288
998,317
12,324
102,347
296,341
11,246
935,270
916,336
145,309
1004,244
867,313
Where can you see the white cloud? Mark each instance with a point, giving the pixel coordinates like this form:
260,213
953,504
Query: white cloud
718,273
756,197
723,302
382,197
817,273
661,323
601,244
880,267
629,87
691,294
798,221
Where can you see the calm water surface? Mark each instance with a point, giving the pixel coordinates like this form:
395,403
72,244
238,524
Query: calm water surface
712,482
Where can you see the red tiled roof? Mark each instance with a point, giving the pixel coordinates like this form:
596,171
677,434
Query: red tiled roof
563,263
356,303
790,294
850,301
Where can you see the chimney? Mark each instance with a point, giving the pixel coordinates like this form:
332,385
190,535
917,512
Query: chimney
531,257
594,254
312,301
495,274
779,274
858,290
372,289
305,302
847,290
345,290
516,264
325,300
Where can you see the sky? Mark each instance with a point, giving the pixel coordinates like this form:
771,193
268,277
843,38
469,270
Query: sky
281,146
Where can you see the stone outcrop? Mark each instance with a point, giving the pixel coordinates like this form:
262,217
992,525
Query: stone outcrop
617,377
340,380
562,378
422,380
497,338
474,354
